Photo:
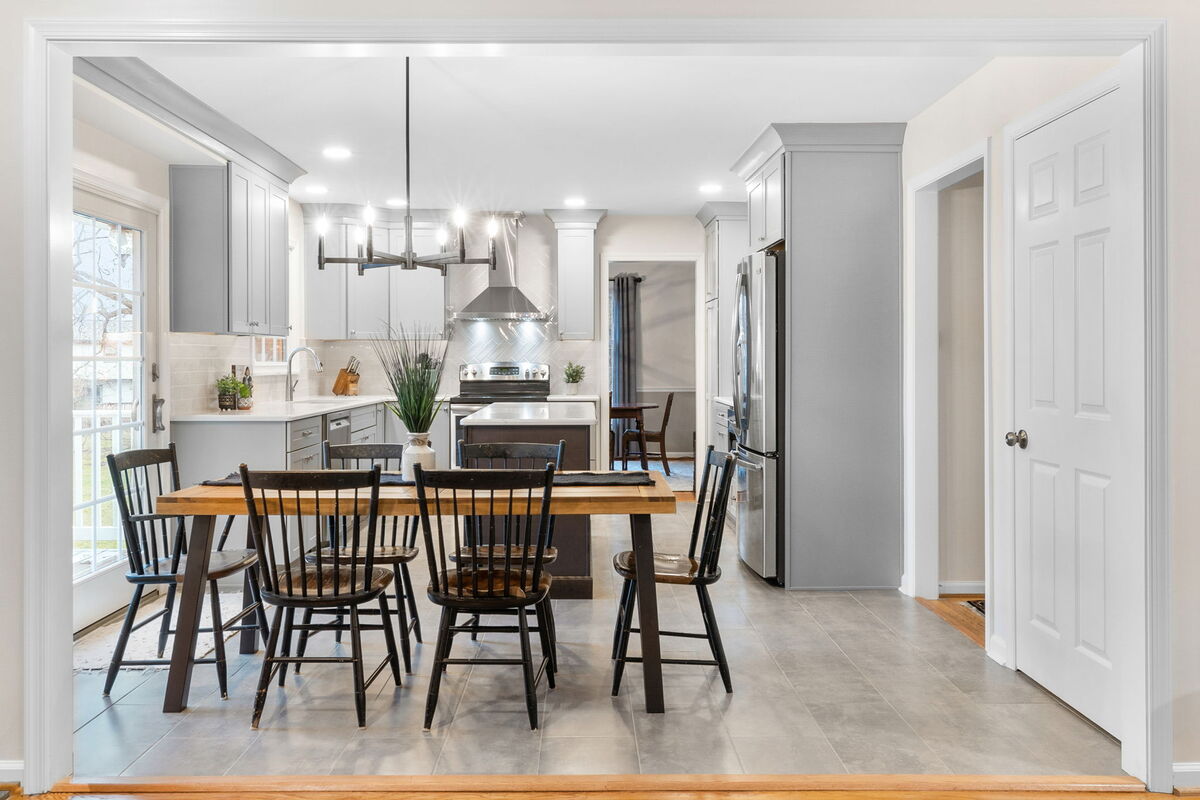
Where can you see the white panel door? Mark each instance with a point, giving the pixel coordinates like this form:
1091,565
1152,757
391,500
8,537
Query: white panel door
1078,498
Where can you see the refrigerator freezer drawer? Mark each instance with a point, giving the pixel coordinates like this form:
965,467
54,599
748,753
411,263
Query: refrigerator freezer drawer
756,514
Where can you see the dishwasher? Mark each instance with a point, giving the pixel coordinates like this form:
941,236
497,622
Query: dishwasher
337,428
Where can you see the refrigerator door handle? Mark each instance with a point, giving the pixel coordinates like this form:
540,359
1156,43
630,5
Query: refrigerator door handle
741,341
750,465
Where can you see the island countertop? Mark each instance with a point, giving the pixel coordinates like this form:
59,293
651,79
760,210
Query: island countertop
525,414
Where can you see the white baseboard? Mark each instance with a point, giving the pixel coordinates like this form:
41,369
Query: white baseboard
14,771
1187,774
961,587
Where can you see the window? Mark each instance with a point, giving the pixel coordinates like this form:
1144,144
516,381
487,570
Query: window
108,369
268,354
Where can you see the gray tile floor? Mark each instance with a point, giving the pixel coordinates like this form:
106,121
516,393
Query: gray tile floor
824,682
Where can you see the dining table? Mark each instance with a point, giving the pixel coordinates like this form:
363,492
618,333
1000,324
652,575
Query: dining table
637,413
206,502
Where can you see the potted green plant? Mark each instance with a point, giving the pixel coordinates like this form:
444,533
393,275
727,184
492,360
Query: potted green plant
229,389
572,376
245,400
412,362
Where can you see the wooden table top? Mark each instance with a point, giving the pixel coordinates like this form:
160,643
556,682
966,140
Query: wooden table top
632,406
401,501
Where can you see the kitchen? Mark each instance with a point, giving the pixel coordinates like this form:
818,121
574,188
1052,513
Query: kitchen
505,371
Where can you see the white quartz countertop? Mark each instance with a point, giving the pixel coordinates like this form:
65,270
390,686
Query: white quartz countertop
287,412
523,414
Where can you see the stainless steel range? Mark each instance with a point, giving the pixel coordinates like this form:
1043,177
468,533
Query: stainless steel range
490,382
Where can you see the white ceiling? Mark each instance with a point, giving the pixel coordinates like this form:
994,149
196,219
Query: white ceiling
633,135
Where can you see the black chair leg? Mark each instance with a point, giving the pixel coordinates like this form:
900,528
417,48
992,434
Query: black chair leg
164,630
544,636
441,651
622,610
264,677
475,622
553,634
411,597
339,621
402,618
302,644
623,645
118,655
264,628
389,636
218,639
360,690
527,666
289,620
714,636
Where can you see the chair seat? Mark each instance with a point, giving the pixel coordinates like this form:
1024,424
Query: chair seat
549,555
389,554
327,578
221,563
495,579
668,568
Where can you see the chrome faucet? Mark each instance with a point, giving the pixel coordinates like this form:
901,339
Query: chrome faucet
291,384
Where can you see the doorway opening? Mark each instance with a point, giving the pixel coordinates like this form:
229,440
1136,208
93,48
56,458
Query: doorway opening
652,381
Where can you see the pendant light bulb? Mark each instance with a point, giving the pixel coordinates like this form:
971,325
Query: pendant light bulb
369,214
459,217
359,238
493,227
442,237
322,226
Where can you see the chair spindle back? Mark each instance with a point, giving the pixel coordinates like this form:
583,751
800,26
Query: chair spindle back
154,542
712,500
393,531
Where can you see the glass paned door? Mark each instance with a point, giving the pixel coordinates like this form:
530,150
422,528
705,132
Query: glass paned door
110,364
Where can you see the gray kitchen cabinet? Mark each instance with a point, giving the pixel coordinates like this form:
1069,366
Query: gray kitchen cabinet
324,289
418,297
726,243
439,438
305,458
367,295
228,251
765,203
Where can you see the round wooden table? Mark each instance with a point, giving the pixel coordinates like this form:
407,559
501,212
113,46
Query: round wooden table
636,412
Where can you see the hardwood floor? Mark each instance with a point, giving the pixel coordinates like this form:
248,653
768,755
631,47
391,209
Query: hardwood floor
614,787
953,609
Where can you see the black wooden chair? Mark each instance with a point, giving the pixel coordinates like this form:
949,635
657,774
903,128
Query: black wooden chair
504,570
156,545
396,544
309,509
643,437
518,455
699,568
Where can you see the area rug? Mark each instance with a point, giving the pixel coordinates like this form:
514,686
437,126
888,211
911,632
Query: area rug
94,650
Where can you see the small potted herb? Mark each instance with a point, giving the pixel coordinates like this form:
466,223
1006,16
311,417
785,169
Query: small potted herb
245,400
572,377
229,389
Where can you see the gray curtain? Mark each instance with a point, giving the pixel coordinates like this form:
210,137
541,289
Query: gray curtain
624,346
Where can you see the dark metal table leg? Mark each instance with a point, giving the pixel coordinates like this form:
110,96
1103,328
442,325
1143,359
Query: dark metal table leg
647,608
249,638
190,600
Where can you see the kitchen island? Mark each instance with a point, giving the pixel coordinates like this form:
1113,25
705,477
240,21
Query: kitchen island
548,423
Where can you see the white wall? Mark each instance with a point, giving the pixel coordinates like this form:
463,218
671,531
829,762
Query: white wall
960,381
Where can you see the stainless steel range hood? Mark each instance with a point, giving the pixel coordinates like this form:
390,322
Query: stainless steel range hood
502,300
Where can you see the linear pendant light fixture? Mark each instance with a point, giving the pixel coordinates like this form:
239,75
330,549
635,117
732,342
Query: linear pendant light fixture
455,255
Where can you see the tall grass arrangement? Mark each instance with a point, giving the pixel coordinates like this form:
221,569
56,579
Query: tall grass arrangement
412,360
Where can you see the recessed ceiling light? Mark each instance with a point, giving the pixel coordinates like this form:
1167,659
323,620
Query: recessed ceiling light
336,152
316,188
574,202
710,188
396,201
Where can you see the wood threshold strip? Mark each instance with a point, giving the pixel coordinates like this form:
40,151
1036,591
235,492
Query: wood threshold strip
954,611
592,786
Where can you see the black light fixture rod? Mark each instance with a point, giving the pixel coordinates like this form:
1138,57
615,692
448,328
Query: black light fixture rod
408,224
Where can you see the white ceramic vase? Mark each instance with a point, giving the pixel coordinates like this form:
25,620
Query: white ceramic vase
571,388
417,452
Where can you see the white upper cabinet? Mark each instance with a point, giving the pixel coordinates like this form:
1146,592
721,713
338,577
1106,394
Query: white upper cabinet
368,296
575,261
229,244
710,262
765,203
418,297
324,289
726,244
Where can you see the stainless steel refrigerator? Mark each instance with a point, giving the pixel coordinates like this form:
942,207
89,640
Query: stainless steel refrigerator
756,401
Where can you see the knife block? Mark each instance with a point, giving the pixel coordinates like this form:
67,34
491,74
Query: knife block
346,383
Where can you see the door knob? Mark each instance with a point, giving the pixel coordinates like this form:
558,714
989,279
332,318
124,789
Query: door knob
1017,439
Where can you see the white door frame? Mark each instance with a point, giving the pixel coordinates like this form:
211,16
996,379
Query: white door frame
606,260
919,315
46,187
